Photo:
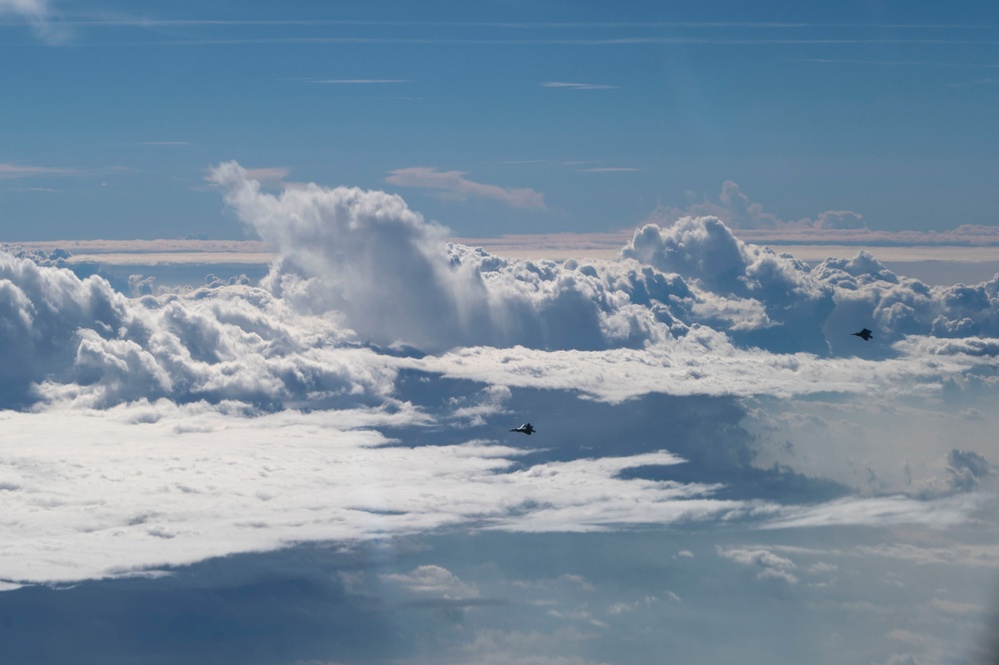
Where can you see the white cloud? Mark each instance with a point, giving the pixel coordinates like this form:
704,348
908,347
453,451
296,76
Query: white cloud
167,428
67,338
876,511
433,581
360,266
705,251
367,255
701,363
770,565
834,298
363,253
455,184
475,408
102,493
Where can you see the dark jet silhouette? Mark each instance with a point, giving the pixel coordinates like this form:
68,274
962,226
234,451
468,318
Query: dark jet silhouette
526,429
864,334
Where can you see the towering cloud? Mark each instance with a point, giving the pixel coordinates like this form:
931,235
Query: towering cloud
358,267
808,309
43,311
368,256
734,275
70,338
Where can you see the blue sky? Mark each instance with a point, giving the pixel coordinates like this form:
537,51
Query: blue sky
116,111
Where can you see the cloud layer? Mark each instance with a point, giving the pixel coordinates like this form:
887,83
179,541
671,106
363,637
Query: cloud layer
365,387
158,485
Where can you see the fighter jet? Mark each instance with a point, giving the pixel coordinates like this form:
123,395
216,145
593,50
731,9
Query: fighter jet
864,334
526,429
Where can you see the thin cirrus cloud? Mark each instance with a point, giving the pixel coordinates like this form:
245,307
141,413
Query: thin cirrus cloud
359,81
53,27
9,171
454,183
28,9
577,86
39,15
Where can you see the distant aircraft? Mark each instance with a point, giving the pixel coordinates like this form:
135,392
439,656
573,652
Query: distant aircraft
526,429
864,334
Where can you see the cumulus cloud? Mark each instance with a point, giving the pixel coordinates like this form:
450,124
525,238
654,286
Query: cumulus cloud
900,307
433,581
369,370
78,339
792,306
455,184
968,469
367,255
769,564
690,302
390,273
356,267
43,309
810,308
